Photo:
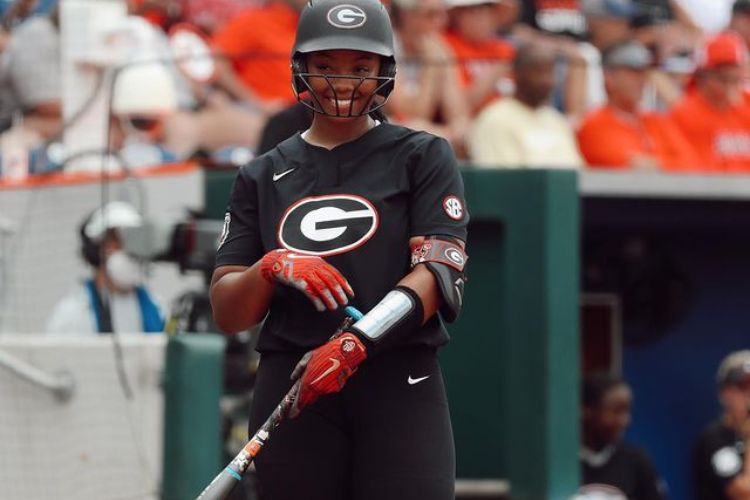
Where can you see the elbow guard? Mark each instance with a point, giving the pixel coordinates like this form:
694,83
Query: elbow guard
446,260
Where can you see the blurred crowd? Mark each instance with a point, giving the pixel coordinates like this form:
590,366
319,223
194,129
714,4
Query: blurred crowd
625,84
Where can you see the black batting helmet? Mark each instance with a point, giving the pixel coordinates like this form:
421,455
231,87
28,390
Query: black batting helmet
362,25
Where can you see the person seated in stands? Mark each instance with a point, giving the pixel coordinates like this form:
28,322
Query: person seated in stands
428,94
524,130
611,468
721,468
144,98
114,298
483,57
714,114
31,80
619,134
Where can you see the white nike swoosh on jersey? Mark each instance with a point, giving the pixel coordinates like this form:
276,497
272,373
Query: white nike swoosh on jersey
276,177
413,381
334,366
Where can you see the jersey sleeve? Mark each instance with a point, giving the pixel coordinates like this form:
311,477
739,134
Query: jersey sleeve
240,242
437,204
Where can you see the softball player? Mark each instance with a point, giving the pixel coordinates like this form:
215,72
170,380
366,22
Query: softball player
352,211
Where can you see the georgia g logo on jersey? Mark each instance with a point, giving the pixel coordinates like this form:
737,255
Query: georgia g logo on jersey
328,225
347,16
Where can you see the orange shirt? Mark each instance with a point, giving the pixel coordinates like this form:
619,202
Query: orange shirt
477,58
721,137
608,138
260,42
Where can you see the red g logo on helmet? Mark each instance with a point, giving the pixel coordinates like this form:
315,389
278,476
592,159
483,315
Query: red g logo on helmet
347,16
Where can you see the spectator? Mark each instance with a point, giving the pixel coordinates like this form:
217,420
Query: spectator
524,130
720,463
428,94
32,76
713,114
144,98
608,22
483,57
257,43
740,20
611,468
114,299
619,134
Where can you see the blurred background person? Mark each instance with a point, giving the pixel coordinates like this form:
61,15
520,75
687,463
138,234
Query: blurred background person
740,21
612,469
484,58
524,130
114,298
619,134
714,114
720,462
428,94
255,45
143,100
30,75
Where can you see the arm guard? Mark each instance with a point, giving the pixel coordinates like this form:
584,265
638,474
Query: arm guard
446,260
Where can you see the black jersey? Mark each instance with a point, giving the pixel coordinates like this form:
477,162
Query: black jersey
718,457
626,473
357,206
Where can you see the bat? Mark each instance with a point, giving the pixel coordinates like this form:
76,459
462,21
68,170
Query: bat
224,482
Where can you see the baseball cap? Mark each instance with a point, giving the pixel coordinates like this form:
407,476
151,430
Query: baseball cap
628,54
608,8
724,48
734,369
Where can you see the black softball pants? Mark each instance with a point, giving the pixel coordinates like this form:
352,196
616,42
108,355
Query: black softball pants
386,436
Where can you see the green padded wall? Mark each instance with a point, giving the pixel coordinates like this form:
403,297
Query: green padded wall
192,421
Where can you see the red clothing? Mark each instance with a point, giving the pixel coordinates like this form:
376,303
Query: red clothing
260,43
721,138
477,58
609,138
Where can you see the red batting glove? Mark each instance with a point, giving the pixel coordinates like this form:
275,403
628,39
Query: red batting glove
321,282
326,369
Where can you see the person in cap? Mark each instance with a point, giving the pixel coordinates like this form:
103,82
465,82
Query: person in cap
612,469
114,298
428,94
714,114
620,134
721,465
524,130
484,58
352,211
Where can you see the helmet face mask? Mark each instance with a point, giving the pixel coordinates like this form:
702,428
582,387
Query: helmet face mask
329,25
309,97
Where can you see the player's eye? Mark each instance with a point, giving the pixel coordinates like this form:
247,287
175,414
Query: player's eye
322,68
363,70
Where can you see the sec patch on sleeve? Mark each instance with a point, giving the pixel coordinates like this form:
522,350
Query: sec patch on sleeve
453,207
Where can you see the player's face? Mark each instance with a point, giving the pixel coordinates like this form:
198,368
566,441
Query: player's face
609,420
347,83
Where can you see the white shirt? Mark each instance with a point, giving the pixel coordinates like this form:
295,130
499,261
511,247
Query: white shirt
74,314
510,134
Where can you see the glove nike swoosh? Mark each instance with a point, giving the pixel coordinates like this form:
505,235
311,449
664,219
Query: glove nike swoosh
335,363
